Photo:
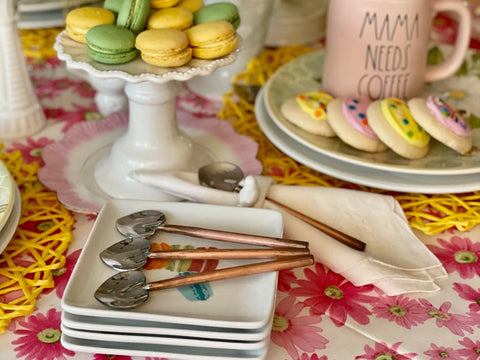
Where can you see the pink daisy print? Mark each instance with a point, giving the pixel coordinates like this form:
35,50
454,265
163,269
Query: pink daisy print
32,150
471,349
456,323
475,317
52,88
61,276
329,292
460,255
382,351
198,105
468,293
92,217
403,311
40,340
285,279
444,29
311,357
53,113
291,331
111,357
84,89
44,64
81,114
442,353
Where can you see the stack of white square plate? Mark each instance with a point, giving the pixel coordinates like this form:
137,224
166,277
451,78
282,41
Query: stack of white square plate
226,319
10,206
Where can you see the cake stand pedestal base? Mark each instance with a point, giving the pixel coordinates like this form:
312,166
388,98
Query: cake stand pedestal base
152,141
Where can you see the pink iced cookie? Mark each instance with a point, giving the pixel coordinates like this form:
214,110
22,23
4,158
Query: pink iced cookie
448,116
354,109
348,118
442,122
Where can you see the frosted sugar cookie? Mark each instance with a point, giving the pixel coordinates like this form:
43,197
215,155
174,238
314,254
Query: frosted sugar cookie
348,118
392,121
309,112
442,122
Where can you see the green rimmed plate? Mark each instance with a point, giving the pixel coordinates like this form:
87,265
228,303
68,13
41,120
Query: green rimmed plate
304,74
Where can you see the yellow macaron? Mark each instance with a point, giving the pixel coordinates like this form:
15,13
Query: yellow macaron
191,5
82,19
212,39
171,18
162,4
164,47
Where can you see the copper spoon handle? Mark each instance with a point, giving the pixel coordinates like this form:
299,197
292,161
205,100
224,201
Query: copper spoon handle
207,254
232,272
233,237
334,233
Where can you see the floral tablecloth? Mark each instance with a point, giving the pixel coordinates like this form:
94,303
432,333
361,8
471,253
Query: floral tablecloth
319,315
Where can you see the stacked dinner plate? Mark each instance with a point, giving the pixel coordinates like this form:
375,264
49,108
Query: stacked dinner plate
226,319
10,206
442,171
36,14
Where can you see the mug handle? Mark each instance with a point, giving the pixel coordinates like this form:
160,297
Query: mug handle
454,61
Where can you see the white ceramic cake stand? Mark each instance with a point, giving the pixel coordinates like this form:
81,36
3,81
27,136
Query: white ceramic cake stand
153,139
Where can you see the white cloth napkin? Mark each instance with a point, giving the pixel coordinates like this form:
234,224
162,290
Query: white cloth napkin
394,260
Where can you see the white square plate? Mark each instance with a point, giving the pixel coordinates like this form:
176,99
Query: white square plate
165,340
242,303
126,326
161,351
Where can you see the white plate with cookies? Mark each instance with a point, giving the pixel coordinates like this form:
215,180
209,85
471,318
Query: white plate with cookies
304,75
361,175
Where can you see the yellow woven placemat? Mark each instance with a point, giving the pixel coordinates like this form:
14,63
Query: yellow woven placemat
429,213
36,252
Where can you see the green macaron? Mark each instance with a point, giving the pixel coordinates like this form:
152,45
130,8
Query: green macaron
111,44
217,11
133,14
113,5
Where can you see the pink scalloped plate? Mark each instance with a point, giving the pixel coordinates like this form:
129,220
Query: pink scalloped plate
70,163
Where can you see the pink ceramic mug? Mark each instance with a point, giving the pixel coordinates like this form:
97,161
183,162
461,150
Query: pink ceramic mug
378,48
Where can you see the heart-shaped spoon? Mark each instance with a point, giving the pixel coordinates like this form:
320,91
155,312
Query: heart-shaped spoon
128,289
221,175
132,253
144,223
224,175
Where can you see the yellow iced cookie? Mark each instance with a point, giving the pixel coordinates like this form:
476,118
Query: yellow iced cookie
400,119
315,104
308,111
393,123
